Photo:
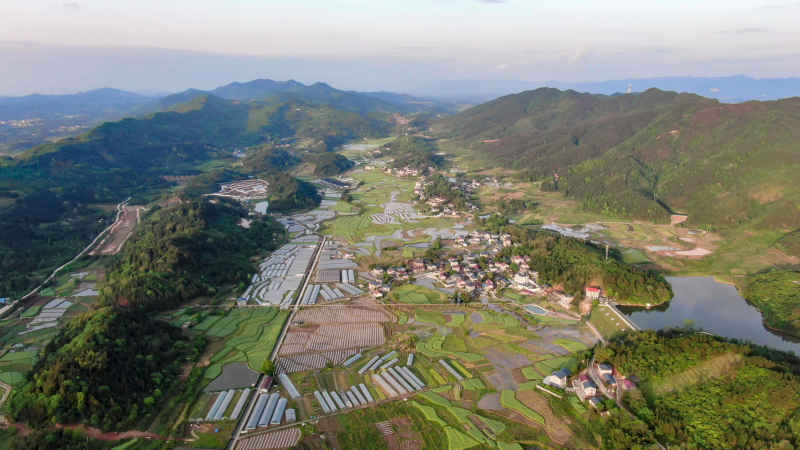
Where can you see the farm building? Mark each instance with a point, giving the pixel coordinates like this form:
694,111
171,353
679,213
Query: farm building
557,379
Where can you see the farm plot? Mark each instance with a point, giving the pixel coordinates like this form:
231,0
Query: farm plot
322,335
280,275
315,347
286,438
250,335
48,316
351,313
416,295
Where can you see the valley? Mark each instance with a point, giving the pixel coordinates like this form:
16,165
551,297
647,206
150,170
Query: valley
303,278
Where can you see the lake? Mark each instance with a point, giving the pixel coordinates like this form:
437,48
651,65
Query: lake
714,307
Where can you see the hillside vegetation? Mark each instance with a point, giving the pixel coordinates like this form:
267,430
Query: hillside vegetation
647,155
777,295
112,367
56,197
701,391
186,251
574,264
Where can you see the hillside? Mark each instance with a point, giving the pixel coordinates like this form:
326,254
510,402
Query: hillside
56,197
647,155
700,391
321,94
111,367
33,119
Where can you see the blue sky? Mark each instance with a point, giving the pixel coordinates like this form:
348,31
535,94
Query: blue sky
569,40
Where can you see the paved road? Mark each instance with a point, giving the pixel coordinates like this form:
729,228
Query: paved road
296,307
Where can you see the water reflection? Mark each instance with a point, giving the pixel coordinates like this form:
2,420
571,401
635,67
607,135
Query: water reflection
714,307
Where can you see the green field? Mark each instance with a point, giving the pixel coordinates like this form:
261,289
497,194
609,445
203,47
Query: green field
416,295
601,318
570,345
509,400
249,336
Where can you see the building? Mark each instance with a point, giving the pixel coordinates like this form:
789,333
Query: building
563,299
592,292
605,369
557,379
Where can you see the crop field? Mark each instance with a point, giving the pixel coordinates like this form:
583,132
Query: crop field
416,295
250,335
509,400
285,438
354,312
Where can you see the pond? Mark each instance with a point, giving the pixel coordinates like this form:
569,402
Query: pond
533,309
714,307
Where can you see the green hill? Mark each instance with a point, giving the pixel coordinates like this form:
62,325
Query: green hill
647,155
701,391
56,197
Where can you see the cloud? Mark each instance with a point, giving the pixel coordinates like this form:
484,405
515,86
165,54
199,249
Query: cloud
493,2
504,66
71,6
746,30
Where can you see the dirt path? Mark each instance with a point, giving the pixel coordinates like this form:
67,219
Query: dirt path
96,433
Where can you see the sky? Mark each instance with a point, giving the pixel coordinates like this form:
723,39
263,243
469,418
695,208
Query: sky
148,45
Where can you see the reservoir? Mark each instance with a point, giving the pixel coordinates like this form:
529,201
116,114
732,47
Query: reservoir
714,307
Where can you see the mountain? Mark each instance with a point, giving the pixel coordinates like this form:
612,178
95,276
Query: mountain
55,197
98,102
33,119
738,88
648,155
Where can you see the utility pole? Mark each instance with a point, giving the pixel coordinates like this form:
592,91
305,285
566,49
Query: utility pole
606,252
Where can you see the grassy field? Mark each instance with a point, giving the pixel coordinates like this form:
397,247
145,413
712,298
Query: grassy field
416,295
603,320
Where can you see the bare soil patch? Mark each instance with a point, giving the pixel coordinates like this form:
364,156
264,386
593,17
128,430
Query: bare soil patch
120,231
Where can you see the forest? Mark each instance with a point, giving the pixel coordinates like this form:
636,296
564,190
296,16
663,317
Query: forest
186,251
702,391
415,152
439,186
574,264
108,368
111,367
776,294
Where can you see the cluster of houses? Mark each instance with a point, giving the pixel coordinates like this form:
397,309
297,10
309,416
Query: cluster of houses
441,206
478,271
585,387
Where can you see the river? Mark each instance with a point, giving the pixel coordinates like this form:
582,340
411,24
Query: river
714,307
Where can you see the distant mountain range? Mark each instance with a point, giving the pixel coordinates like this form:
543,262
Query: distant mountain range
34,119
648,154
732,89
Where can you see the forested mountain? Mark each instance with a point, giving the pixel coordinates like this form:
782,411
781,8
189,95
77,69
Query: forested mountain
55,197
373,104
647,155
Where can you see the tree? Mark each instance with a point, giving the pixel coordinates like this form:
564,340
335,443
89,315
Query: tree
268,367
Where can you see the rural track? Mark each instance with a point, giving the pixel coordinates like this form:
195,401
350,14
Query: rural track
295,307
120,207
